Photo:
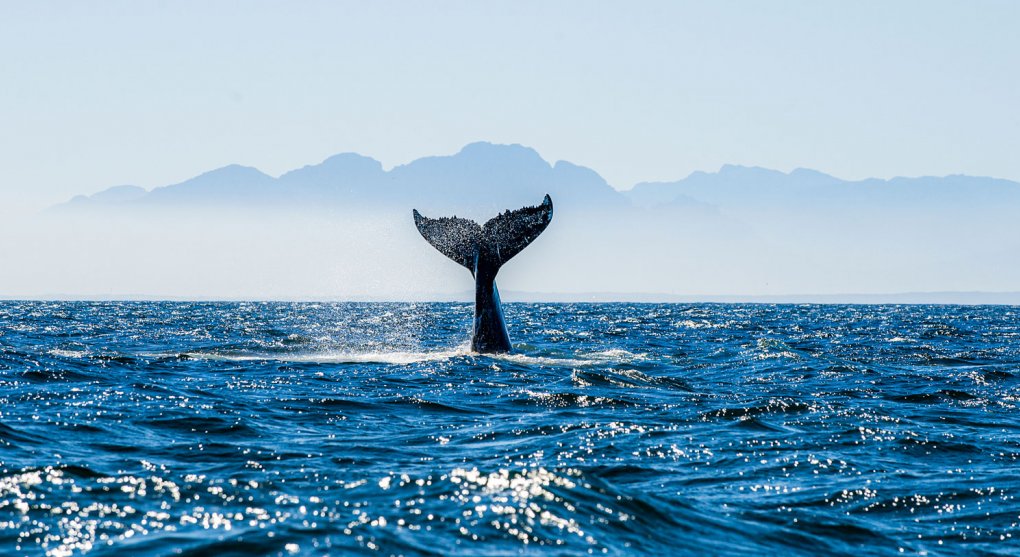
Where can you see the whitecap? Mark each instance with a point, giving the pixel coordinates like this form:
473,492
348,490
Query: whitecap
60,353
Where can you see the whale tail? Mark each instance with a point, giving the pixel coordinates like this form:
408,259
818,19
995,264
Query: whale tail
483,250
491,245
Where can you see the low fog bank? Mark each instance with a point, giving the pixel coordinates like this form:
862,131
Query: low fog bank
683,249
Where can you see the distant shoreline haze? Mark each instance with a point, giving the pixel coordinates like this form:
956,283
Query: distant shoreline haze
342,230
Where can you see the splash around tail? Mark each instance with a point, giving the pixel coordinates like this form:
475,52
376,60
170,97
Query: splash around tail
483,250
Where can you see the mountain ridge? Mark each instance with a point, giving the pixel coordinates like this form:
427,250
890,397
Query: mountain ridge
490,175
479,174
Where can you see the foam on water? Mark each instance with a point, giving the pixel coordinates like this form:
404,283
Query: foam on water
577,359
334,357
402,357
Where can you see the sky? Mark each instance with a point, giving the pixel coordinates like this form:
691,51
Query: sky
150,93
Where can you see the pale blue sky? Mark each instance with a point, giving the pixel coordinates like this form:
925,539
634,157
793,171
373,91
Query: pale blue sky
142,92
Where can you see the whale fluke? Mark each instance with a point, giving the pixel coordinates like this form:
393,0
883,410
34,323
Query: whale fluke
483,250
502,237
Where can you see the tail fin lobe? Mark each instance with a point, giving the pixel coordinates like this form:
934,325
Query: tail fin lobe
454,237
510,232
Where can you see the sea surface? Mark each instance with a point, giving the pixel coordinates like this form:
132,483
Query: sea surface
151,428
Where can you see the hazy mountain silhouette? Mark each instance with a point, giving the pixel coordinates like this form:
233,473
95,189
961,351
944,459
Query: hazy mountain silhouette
754,188
484,177
111,196
481,176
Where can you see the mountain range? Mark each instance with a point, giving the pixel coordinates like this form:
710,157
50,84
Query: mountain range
492,177
480,175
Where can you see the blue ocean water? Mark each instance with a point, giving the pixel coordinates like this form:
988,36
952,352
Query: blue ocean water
309,429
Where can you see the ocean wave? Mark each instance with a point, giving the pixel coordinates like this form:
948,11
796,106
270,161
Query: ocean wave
309,429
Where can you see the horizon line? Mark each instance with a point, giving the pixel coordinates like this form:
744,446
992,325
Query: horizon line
948,297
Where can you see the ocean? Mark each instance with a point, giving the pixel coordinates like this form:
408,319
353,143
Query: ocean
173,428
